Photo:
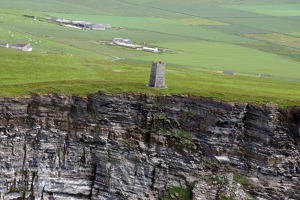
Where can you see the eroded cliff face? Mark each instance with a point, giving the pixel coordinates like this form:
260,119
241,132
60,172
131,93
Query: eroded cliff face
134,146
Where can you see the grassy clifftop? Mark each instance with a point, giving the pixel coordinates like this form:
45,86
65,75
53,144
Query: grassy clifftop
22,73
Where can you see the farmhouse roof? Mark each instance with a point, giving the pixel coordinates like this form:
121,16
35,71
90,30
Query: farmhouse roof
53,18
4,44
27,48
65,21
98,26
20,45
120,40
82,24
23,47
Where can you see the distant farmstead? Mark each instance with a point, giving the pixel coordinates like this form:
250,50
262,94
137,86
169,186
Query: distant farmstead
6,45
79,24
23,47
123,42
19,46
127,43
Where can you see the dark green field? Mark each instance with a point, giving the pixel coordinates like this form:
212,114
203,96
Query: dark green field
200,39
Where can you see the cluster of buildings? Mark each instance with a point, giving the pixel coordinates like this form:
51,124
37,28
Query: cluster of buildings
127,43
79,24
19,46
88,25
124,43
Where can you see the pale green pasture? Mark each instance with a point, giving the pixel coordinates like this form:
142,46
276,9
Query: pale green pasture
196,9
18,67
238,29
280,39
107,7
196,21
292,9
297,34
222,56
272,24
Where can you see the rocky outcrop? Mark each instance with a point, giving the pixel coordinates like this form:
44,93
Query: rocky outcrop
136,146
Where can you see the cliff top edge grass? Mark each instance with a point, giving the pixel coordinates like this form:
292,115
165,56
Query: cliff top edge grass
23,73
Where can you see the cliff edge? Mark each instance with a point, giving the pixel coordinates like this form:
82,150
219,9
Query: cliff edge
136,146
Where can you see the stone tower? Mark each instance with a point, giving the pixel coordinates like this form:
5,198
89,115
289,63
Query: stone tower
157,76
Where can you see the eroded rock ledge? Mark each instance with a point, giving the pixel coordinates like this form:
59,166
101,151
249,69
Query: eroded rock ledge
134,146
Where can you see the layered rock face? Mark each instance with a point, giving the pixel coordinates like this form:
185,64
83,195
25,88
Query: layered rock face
134,146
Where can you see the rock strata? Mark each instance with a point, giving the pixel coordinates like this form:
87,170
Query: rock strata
136,146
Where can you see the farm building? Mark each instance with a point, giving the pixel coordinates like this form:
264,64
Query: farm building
126,45
99,27
153,50
82,24
4,45
23,47
107,25
64,21
54,19
228,72
127,41
261,75
115,40
123,42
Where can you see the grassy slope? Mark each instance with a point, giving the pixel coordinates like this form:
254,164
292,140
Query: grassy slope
222,56
69,61
292,9
66,74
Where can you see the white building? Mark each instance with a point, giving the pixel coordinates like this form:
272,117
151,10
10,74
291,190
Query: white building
99,27
153,50
115,40
107,25
23,47
121,40
4,45
125,45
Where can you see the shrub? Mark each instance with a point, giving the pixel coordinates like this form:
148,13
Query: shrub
179,193
181,134
239,178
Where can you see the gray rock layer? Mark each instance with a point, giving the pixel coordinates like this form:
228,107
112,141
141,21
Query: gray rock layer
134,146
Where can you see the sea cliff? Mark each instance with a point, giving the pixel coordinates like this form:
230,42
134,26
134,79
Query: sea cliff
137,146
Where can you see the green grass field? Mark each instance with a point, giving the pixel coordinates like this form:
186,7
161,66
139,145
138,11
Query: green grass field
200,39
223,56
36,73
279,10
